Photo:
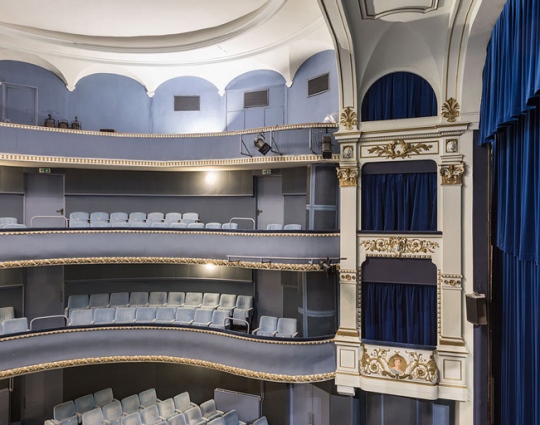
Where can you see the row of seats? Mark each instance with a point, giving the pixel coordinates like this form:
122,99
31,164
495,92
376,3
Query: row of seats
282,227
134,219
240,305
280,328
163,315
10,223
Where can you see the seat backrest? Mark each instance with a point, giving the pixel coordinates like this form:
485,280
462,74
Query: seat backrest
157,298
179,225
103,316
131,404
8,220
125,315
159,224
103,397
85,403
274,227
15,226
99,216
195,226
6,313
202,315
132,419
138,299
99,300
190,216
145,314
155,216
292,227
268,323
173,217
12,326
150,415
64,410
81,317
137,216
165,314
261,421
176,298
118,217
166,408
112,410
213,225
210,299
244,301
119,299
208,408
194,298
78,301
148,397
231,418
230,226
193,415
79,216
217,421
182,401
185,314
93,417
179,419
287,326
227,301
218,318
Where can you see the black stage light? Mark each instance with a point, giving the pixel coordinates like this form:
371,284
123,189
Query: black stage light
326,146
328,267
261,145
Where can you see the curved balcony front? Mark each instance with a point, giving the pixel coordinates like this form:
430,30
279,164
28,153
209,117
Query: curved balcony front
300,251
253,357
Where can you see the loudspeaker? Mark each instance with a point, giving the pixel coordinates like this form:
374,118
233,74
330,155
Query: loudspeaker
476,308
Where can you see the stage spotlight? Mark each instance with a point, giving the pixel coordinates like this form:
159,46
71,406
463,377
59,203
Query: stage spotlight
326,146
261,145
328,267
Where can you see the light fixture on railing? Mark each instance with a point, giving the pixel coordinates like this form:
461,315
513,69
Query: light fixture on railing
261,144
326,147
328,267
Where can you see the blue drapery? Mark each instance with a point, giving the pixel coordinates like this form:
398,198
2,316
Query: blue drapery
399,95
399,201
394,312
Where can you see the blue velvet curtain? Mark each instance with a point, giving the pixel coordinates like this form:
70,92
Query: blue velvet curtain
399,95
394,312
399,201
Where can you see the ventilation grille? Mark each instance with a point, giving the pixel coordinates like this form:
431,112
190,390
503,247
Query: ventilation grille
318,85
254,99
187,103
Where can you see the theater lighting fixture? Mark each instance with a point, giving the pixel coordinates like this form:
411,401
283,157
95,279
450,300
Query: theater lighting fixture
326,147
209,266
328,267
261,144
211,178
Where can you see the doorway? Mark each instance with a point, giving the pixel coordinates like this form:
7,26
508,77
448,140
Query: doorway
270,202
44,201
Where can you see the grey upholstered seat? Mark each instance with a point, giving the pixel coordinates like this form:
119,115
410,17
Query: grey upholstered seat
194,416
292,227
119,299
286,328
118,217
178,419
99,300
99,216
84,404
195,226
267,326
12,326
148,398
173,217
112,413
202,317
167,409
79,216
78,223
231,418
165,314
100,224
121,224
182,402
160,224
125,315
190,216
104,316
274,227
243,309
208,410
131,404
138,219
104,397
138,299
193,299
6,313
15,226
80,317
145,315
155,217
176,299
213,225
230,226
184,315
179,225
65,414
150,415
77,301
261,421
157,299
227,302
210,300
217,421
93,417
7,220
220,319
132,419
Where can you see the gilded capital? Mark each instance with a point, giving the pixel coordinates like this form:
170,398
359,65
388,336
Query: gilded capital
348,118
452,174
347,176
450,110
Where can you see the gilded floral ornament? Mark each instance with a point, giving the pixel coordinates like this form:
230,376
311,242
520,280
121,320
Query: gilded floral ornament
452,174
347,176
399,246
400,149
348,118
450,110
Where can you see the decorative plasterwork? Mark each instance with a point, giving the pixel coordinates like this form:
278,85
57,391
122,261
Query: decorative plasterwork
348,275
396,246
347,176
439,302
450,110
452,174
376,9
452,146
348,118
399,364
347,152
453,280
400,149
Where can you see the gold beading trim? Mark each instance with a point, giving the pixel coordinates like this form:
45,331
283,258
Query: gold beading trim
348,118
452,174
439,302
396,246
347,275
450,110
400,149
167,359
452,279
173,136
347,176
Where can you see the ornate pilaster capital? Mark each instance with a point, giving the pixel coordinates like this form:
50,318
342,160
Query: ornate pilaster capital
348,176
348,119
450,110
452,174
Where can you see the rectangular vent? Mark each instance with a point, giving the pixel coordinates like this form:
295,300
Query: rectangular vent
187,103
318,85
254,99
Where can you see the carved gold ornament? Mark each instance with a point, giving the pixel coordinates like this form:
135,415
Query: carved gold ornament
347,176
452,280
348,118
439,302
452,174
399,246
399,149
450,110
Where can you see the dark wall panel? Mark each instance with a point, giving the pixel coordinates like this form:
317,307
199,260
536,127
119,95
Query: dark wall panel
12,205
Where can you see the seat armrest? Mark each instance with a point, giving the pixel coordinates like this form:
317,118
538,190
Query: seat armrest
208,324
255,330
193,404
274,333
295,334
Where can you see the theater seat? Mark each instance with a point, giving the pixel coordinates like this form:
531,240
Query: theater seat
213,225
150,415
243,309
137,219
104,397
195,226
208,410
190,216
93,417
65,413
261,421
178,419
77,223
231,418
182,402
267,326
6,313
99,300
167,409
210,301
84,404
145,315
76,301
12,326
173,217
104,316
148,398
217,421
112,413
119,299
193,299
179,225
274,227
138,299
132,419
154,217
176,299
184,315
194,416
286,328
125,315
292,227
157,299
100,224
227,302
230,226
165,314
118,217
79,216
99,217
131,405
202,317
219,319
15,226
81,317
160,225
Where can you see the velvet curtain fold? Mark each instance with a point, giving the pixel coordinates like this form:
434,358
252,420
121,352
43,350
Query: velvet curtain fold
405,313
399,202
399,95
